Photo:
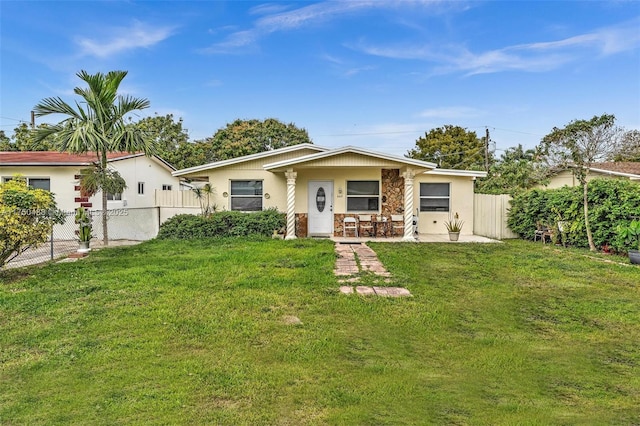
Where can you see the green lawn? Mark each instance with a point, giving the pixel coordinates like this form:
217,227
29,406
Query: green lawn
193,332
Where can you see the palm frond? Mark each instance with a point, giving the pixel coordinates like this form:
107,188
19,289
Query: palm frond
54,106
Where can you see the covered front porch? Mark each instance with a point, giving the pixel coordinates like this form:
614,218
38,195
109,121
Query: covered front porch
420,238
325,190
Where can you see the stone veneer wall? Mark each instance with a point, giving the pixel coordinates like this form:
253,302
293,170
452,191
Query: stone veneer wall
301,225
392,192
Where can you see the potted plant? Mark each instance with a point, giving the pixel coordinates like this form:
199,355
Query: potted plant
84,229
631,236
454,226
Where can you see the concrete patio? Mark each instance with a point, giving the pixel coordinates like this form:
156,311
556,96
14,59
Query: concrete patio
422,238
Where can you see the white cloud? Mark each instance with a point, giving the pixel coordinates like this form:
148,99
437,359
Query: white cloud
311,14
138,35
532,57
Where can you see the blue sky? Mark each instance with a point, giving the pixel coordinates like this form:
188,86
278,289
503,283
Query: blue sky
375,74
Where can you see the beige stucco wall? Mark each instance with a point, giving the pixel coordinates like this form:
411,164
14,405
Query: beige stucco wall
133,170
461,202
275,185
566,178
62,181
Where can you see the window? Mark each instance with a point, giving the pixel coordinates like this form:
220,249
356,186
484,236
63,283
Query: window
114,197
36,183
140,188
363,195
40,183
246,195
166,187
434,197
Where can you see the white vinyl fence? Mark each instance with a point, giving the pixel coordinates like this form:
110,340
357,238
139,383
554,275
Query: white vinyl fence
176,199
490,216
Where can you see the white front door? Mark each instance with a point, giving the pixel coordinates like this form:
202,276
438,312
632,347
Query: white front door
320,221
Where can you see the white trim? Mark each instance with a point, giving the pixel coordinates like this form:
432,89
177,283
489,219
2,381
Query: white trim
348,150
454,172
632,176
232,161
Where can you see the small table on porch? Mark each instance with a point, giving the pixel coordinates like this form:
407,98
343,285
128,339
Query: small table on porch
383,224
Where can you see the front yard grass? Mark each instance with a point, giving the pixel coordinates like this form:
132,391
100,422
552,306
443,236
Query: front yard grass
197,332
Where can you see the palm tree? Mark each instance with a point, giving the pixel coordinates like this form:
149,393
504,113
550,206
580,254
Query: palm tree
97,124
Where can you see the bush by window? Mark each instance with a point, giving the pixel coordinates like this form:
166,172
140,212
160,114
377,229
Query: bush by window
223,224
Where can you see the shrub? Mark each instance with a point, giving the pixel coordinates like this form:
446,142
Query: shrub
612,202
222,224
26,217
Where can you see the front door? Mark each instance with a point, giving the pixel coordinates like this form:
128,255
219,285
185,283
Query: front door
320,221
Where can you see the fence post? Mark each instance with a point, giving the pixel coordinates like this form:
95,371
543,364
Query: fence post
52,226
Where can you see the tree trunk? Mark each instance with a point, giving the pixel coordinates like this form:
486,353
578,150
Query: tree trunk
105,235
585,201
105,232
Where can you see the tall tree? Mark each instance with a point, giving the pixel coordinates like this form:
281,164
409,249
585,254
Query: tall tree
170,138
580,144
516,169
629,149
23,139
451,147
5,142
97,124
244,137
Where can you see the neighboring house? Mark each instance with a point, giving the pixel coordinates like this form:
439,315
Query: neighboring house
620,170
59,172
318,187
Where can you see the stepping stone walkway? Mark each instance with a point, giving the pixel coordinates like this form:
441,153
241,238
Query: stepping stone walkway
347,269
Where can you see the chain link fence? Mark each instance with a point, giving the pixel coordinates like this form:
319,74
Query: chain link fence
124,227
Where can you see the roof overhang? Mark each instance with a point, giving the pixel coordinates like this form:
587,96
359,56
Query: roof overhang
455,172
308,160
631,176
251,157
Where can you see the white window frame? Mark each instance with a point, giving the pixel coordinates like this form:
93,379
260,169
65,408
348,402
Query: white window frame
435,197
140,188
166,187
114,197
367,196
257,196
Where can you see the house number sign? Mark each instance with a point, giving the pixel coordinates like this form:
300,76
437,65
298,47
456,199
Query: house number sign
320,199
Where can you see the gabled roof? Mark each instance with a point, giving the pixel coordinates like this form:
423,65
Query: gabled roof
251,157
622,168
56,158
347,150
53,158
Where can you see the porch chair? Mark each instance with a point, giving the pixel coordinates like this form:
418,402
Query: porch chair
350,223
365,224
397,223
543,232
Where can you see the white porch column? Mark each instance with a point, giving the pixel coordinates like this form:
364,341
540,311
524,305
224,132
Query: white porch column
408,205
291,204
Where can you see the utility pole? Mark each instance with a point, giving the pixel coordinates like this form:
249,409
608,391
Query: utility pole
486,150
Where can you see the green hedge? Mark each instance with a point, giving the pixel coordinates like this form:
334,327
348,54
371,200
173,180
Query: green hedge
611,202
222,224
